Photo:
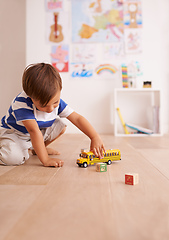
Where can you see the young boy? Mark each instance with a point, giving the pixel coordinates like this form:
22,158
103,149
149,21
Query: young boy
33,119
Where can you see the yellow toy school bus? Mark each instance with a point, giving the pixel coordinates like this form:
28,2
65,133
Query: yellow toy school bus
88,158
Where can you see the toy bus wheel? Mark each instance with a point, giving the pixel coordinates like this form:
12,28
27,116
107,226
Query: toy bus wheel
109,162
85,164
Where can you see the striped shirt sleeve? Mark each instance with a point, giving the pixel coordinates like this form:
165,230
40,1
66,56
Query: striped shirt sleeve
64,110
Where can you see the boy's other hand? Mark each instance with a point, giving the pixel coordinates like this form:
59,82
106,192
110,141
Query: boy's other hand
97,147
53,162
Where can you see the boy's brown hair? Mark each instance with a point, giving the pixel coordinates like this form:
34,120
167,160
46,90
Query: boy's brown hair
41,82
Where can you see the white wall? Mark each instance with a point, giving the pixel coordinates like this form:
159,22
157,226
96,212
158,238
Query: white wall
92,98
156,49
12,50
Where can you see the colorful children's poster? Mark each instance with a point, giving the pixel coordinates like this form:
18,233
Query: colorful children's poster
132,14
54,5
84,53
133,40
58,27
60,57
112,50
81,70
97,21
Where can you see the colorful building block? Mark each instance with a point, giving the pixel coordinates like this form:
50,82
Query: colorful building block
101,167
131,178
124,76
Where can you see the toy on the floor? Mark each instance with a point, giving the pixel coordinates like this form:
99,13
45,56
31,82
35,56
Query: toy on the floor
101,167
131,178
88,158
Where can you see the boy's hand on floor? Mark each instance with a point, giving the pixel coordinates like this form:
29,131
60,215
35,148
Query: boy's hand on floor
53,162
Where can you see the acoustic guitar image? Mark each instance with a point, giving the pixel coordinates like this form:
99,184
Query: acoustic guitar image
56,34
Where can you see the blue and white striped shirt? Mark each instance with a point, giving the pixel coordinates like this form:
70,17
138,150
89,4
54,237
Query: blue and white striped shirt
22,108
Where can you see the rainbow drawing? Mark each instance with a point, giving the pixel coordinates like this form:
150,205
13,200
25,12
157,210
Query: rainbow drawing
106,68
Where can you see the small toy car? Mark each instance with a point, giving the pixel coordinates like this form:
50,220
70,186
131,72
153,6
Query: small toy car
88,158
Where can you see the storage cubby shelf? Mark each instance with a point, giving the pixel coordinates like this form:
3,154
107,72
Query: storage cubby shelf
140,107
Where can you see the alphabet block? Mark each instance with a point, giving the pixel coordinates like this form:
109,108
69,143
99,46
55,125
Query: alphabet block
101,167
131,178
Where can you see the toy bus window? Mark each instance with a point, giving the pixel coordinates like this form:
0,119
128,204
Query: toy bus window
117,153
107,154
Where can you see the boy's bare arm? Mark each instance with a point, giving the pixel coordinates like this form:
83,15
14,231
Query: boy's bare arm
39,146
97,146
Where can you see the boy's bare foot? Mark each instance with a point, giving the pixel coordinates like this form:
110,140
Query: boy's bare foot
50,151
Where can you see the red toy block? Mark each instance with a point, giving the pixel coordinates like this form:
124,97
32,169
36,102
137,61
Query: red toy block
131,178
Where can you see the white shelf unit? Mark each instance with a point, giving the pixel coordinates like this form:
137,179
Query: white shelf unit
139,107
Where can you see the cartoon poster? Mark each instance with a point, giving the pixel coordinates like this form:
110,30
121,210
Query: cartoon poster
60,57
132,14
113,50
84,53
81,70
97,21
54,5
133,40
57,27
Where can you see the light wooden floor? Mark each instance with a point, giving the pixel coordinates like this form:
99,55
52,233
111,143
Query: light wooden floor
73,203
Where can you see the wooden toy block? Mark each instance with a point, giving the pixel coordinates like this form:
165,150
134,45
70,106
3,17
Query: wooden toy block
101,167
131,178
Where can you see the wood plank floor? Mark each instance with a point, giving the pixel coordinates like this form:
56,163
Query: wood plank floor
72,203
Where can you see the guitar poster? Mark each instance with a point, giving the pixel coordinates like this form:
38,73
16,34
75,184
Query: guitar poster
60,57
58,27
